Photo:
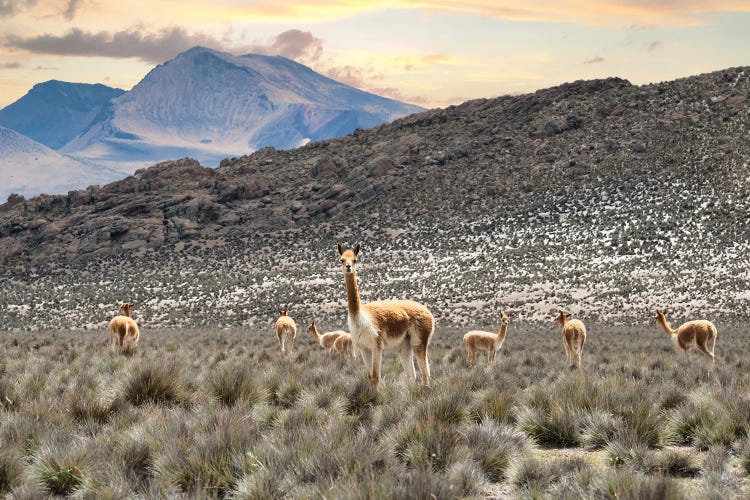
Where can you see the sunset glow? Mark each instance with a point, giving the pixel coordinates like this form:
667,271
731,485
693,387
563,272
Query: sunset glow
427,52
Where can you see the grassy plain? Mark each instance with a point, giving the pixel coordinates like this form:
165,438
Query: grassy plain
221,413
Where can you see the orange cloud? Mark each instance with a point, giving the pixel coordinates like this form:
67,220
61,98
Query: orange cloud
601,12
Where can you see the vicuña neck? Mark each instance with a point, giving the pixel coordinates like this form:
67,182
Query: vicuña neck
503,330
665,325
352,293
315,332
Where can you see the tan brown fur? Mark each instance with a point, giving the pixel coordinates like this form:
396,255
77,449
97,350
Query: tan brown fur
699,333
326,339
476,340
123,330
574,337
402,324
343,345
286,330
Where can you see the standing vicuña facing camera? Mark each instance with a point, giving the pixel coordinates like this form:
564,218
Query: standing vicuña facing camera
403,325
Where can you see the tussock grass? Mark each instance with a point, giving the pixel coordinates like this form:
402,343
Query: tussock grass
10,468
154,383
59,471
226,416
235,383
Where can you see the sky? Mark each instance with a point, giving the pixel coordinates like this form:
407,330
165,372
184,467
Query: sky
433,53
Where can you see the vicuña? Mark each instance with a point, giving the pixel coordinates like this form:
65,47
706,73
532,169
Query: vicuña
574,336
699,333
123,330
327,339
404,325
491,342
286,330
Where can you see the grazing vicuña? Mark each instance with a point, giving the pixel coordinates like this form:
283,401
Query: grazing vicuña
699,333
327,339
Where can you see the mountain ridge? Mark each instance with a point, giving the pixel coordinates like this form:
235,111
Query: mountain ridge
54,112
211,105
601,197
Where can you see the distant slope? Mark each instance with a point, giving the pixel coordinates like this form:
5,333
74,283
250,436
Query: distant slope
600,196
29,168
54,113
209,105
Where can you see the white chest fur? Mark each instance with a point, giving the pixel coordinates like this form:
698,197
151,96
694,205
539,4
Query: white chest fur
363,331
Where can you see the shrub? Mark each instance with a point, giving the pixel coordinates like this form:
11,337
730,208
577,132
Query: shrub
10,468
465,479
60,474
234,383
360,397
493,447
599,429
534,474
422,443
553,427
154,383
630,485
256,485
491,404
88,406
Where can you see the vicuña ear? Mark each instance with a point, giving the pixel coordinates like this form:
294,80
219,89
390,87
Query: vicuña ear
341,249
356,249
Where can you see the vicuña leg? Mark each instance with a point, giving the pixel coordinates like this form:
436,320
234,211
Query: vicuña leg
420,352
290,339
407,361
377,359
471,356
705,351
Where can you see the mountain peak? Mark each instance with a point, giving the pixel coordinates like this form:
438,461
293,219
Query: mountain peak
208,105
54,112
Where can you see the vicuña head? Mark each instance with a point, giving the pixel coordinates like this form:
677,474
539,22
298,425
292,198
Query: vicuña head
286,330
125,309
698,333
562,318
574,336
402,324
348,258
123,330
491,342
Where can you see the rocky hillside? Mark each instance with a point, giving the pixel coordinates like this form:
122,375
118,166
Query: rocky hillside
599,196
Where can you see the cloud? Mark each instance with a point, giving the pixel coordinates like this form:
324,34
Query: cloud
353,75
594,60
599,13
71,9
654,45
12,7
46,68
292,44
157,47
49,8
396,94
131,43
11,65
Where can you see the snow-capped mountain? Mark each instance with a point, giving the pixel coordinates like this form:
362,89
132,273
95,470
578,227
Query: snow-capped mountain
209,105
29,168
54,112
